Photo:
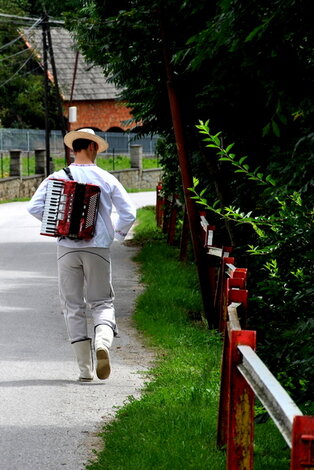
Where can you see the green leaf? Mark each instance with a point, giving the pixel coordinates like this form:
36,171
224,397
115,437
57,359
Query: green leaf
229,147
266,129
275,128
202,203
216,140
282,118
270,180
254,32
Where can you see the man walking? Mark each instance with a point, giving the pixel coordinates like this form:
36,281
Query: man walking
84,266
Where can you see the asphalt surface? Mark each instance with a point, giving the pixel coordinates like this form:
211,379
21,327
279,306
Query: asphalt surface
49,420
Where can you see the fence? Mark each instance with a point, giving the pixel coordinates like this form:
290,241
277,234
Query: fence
243,374
31,139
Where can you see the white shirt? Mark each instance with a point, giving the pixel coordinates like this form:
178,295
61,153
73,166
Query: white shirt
112,194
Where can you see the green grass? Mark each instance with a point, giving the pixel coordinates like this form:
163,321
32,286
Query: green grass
28,166
109,163
173,425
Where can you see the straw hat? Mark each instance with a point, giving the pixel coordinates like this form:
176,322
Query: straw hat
85,134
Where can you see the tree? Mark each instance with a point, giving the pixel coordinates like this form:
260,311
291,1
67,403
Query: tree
21,76
248,68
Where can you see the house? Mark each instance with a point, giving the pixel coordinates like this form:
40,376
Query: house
81,85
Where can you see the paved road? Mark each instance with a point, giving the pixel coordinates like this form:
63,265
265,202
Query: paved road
48,420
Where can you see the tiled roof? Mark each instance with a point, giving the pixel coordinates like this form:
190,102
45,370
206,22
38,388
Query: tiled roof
90,83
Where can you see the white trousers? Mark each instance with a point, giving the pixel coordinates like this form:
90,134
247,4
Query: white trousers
85,280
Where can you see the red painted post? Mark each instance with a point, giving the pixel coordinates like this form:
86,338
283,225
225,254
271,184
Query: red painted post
236,283
241,412
172,220
166,214
240,272
240,296
224,295
224,396
219,294
159,205
184,242
302,452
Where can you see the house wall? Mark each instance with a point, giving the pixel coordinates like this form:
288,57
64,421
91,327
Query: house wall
100,114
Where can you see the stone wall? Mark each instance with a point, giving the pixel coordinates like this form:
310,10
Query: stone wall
134,178
16,188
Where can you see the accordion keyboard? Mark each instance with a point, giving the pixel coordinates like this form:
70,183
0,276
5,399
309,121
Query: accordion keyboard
51,210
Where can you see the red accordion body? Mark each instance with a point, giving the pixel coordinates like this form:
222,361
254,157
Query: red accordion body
70,210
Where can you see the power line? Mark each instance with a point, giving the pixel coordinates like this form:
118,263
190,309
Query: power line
8,44
32,70
14,75
13,55
26,19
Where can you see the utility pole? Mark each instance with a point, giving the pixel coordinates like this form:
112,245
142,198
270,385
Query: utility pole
46,83
57,92
187,182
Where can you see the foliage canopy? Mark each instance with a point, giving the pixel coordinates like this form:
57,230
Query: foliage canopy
248,68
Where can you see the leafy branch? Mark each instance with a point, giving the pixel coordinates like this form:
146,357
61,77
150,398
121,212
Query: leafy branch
289,205
226,156
232,213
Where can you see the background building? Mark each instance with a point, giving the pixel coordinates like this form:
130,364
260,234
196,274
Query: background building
81,84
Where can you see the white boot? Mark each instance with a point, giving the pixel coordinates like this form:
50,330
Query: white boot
103,341
84,358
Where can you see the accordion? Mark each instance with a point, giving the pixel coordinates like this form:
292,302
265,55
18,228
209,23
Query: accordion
70,209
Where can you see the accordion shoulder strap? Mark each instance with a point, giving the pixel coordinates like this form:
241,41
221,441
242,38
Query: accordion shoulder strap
68,172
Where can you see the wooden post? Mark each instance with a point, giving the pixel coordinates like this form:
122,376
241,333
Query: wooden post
159,205
241,411
184,241
46,82
172,220
224,396
223,313
302,452
57,92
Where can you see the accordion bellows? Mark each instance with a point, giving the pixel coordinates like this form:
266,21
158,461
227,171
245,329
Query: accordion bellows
70,209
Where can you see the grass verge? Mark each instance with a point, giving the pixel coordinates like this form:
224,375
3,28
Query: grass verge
173,425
